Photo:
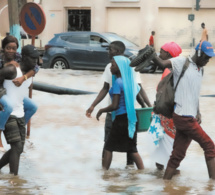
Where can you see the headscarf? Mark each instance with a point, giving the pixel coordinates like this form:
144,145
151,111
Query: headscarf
131,89
173,48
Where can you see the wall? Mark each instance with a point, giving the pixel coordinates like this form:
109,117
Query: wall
133,20
4,24
130,17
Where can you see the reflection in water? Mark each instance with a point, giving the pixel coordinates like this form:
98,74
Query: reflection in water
11,184
210,187
63,153
171,188
22,183
122,181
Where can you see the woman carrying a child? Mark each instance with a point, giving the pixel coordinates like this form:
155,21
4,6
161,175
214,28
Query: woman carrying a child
8,54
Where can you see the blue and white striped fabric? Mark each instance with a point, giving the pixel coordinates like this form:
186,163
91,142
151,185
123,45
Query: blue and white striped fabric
131,89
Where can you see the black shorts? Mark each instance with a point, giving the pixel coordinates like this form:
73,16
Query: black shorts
15,130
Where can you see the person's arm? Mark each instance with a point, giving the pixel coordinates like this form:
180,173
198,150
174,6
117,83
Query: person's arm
144,96
140,100
206,34
199,116
111,107
162,63
98,99
18,81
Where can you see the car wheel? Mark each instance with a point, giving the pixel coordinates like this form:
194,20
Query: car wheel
60,63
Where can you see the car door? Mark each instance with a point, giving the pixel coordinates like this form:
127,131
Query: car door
99,52
78,50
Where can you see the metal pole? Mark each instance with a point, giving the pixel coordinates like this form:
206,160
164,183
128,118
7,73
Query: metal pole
33,40
29,122
192,30
30,93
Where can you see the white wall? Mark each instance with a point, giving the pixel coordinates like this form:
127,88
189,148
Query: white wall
134,20
125,22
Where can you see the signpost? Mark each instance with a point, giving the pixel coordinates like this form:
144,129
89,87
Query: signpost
33,21
191,17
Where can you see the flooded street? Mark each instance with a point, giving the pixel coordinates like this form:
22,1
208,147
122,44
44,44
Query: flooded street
63,153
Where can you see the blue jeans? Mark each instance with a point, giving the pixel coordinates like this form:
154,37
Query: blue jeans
29,108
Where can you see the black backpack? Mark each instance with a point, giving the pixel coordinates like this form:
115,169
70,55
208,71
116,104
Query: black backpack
165,95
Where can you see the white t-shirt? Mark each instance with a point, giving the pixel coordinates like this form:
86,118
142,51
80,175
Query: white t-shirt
107,77
16,94
188,90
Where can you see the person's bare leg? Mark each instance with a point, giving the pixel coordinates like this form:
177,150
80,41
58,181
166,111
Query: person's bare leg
5,159
130,160
1,145
138,160
103,154
107,159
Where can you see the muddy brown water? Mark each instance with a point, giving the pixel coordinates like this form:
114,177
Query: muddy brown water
63,153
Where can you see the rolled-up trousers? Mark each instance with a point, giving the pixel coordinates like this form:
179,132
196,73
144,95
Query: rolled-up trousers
188,129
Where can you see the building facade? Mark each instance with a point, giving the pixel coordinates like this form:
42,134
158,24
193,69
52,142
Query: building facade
132,19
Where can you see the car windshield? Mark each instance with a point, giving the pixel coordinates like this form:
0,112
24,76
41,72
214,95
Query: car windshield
115,37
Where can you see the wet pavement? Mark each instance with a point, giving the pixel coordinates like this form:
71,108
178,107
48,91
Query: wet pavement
63,153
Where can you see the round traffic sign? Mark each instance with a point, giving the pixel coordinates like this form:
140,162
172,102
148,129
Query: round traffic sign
32,18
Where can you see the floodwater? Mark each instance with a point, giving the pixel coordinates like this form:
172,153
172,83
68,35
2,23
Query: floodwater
63,153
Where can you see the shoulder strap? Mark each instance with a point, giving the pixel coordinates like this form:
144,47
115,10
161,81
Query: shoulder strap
183,71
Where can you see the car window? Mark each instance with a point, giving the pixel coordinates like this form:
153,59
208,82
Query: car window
115,37
78,39
65,38
96,40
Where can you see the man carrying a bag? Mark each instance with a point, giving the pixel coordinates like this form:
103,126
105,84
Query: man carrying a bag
186,116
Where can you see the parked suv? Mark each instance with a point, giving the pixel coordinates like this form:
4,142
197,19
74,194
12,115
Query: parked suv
83,50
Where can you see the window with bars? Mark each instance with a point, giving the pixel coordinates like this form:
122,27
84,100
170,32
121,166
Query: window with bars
79,20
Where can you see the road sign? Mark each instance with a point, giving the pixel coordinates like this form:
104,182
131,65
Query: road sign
191,17
32,18
33,21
